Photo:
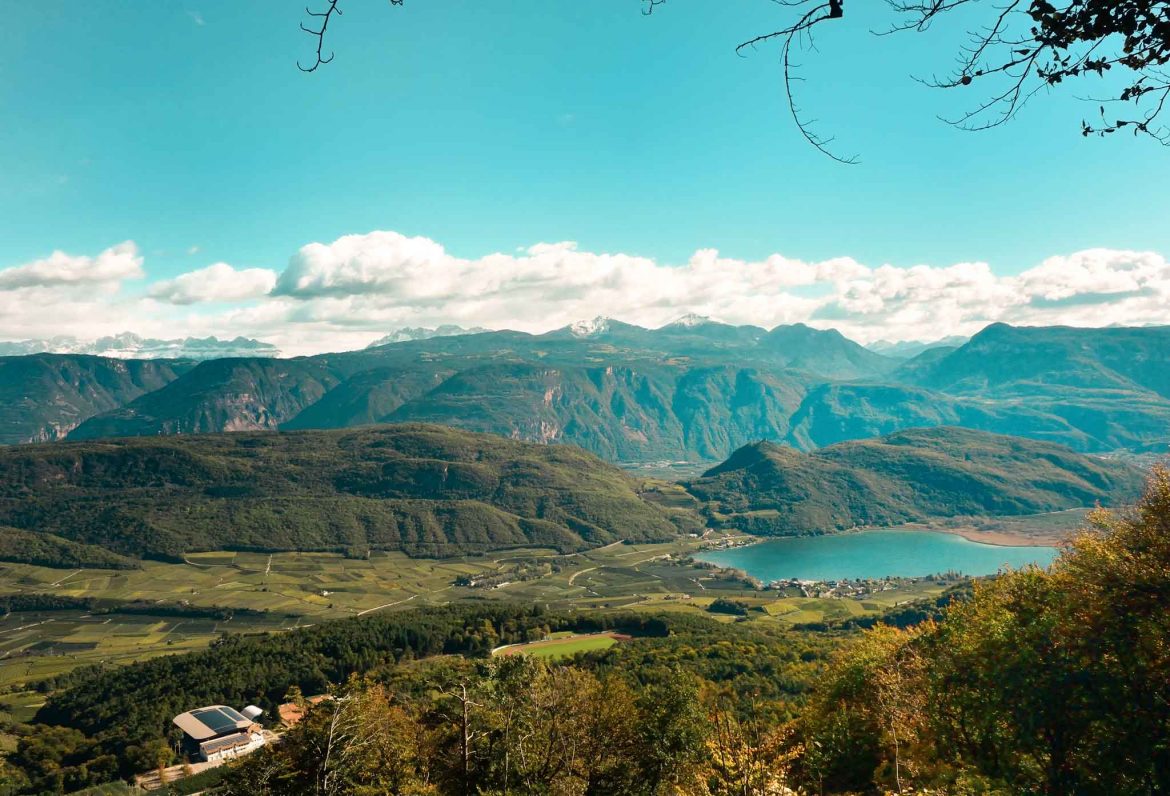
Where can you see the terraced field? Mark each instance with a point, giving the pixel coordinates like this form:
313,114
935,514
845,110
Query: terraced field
296,589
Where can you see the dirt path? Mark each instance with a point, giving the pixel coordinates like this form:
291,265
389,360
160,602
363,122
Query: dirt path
67,577
573,577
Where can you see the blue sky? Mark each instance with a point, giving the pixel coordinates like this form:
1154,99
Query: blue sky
186,128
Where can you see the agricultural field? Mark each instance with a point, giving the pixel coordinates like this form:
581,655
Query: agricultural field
298,589
35,645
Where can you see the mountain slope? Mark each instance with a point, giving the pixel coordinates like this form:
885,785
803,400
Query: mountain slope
619,412
910,475
834,413
45,396
219,395
1054,360
423,489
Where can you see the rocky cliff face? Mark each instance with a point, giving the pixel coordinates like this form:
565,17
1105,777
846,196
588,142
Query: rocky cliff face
219,395
43,397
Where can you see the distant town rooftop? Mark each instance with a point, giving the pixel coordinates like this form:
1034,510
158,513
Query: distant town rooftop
209,722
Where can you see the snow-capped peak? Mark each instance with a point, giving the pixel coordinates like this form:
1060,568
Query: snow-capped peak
596,326
408,334
128,345
691,320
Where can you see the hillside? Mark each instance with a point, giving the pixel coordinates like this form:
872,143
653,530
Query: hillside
45,396
426,490
910,475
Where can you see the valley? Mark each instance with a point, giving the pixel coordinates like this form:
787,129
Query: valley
715,496
262,593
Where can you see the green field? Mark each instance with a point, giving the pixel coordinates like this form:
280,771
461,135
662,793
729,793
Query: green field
561,645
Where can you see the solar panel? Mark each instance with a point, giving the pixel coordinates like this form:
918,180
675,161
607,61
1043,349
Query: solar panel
220,720
232,713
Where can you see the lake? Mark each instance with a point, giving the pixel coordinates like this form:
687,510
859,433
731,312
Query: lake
874,554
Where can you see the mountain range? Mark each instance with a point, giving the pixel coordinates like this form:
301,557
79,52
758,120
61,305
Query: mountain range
408,333
435,491
695,390
128,345
905,349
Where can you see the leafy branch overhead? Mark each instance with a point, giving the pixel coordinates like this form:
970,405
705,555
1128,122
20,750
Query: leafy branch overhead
1023,47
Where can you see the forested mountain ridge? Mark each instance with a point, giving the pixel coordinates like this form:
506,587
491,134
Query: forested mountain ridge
906,476
427,490
691,391
433,490
1054,359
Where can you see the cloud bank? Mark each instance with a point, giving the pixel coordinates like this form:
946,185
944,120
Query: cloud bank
345,293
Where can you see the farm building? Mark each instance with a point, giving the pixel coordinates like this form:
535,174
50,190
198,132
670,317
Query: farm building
217,732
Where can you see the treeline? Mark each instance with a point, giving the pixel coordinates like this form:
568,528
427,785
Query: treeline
20,546
520,725
103,723
32,602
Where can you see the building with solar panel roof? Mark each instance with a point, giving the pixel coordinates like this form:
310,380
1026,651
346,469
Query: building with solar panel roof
218,732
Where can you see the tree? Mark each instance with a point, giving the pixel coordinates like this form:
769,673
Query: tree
1024,46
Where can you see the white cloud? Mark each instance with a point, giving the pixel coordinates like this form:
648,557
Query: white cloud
341,295
217,282
110,267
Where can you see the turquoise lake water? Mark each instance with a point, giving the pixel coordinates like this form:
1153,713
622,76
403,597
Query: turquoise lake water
874,554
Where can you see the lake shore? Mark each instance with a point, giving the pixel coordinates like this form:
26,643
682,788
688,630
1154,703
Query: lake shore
1003,538
1000,537
865,554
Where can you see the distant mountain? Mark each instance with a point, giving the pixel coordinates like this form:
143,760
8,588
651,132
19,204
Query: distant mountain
218,395
43,397
906,349
690,391
693,390
130,346
911,475
1057,361
428,490
408,334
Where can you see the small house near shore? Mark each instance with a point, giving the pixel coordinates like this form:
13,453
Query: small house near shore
218,732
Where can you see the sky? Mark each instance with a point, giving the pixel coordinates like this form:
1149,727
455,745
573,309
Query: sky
166,169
